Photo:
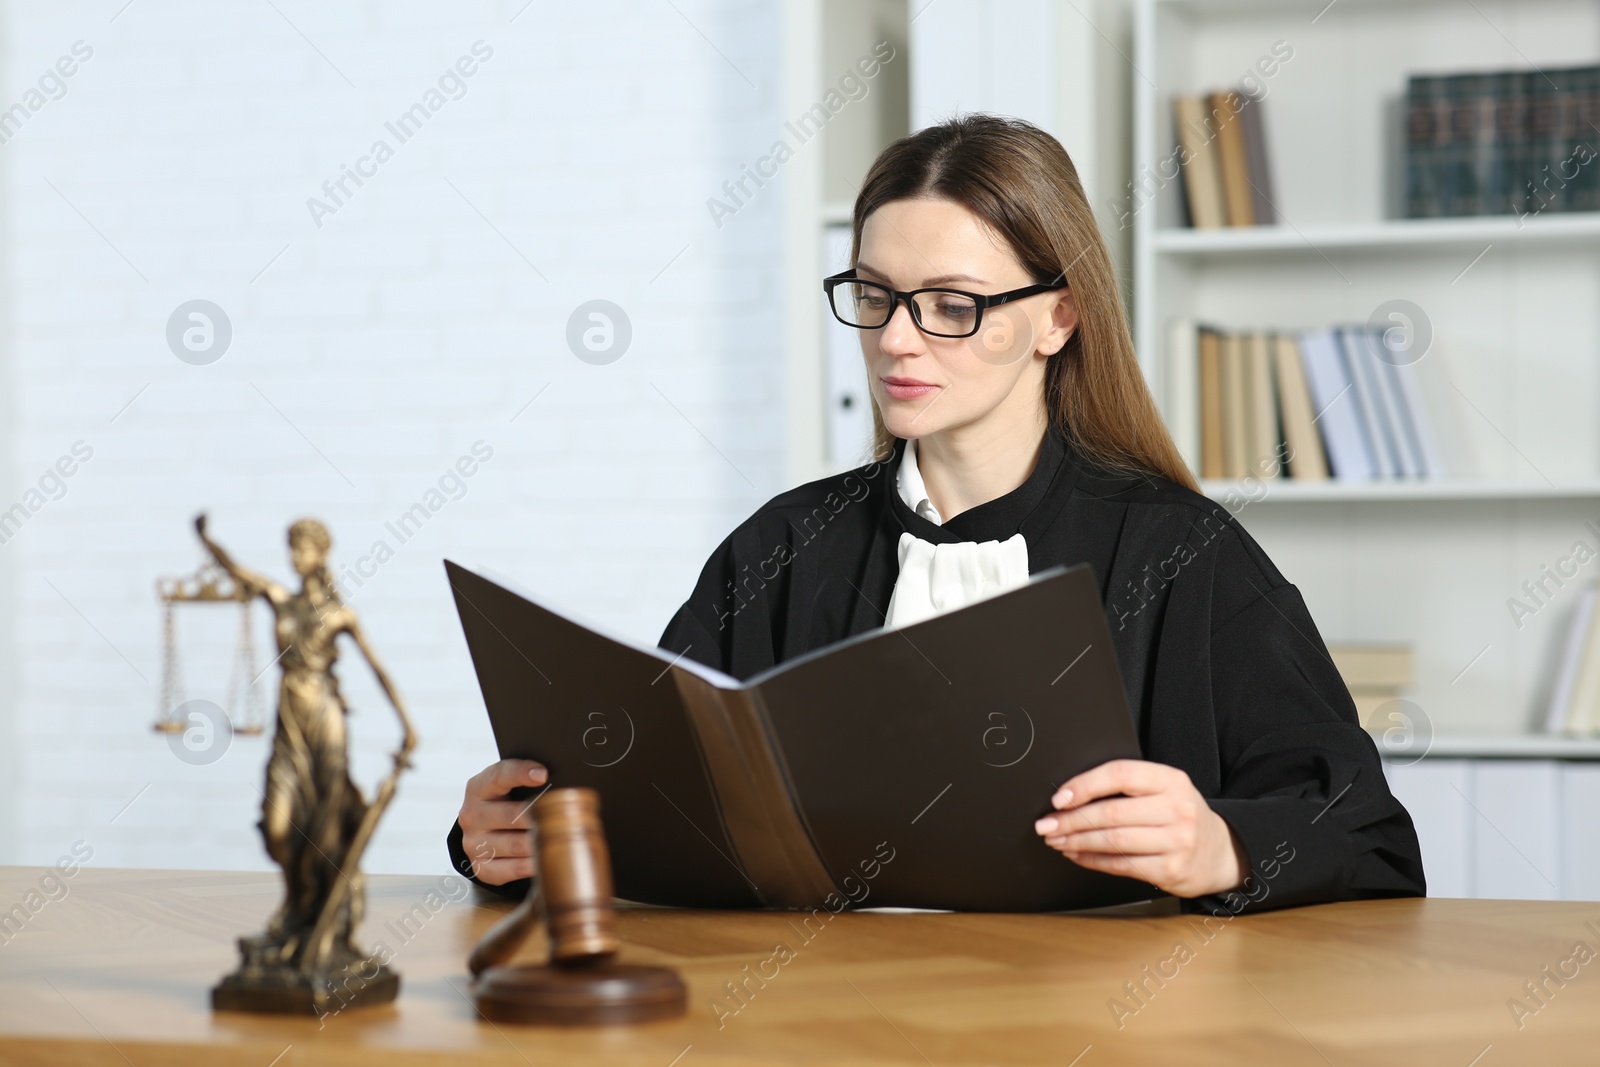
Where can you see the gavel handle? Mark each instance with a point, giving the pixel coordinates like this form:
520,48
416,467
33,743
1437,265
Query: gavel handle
507,935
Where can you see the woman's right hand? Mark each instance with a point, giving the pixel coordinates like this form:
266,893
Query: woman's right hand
494,830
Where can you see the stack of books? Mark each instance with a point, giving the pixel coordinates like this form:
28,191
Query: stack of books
1375,675
1311,405
1574,708
1505,142
1222,155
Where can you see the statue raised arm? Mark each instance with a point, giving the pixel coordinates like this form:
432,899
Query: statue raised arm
253,583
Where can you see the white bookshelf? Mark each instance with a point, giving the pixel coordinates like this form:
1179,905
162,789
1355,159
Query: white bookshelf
1513,307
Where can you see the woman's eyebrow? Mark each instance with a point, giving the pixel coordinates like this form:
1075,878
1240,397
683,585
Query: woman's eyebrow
940,280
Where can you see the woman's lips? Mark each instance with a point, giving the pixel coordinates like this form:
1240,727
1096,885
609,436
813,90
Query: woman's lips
906,388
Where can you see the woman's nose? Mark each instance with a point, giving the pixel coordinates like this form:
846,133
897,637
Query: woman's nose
900,333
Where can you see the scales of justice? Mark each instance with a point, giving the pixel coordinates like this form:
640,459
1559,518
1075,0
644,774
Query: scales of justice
314,820
209,585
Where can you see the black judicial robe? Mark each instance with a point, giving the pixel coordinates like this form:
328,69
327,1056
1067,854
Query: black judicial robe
1227,676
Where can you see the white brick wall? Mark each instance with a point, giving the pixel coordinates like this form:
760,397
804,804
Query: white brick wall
393,337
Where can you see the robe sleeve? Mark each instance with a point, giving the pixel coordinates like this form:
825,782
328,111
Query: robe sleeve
1302,783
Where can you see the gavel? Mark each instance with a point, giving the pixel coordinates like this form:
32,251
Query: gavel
582,984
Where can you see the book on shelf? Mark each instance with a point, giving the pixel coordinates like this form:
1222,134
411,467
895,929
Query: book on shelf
1338,414
1574,707
1502,142
1202,179
1212,441
1377,428
1375,665
1222,157
1375,674
1255,147
1265,430
1422,428
1182,389
1310,405
1235,409
1232,163
1306,460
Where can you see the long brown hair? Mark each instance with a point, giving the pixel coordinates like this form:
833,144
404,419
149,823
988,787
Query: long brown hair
1020,181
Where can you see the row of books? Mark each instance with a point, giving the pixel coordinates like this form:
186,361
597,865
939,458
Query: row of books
1222,156
1378,674
1325,403
1574,708
1504,142
1375,674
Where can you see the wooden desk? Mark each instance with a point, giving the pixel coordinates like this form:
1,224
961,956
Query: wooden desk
118,971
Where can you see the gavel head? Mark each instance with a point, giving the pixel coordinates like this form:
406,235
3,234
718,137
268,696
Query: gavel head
574,869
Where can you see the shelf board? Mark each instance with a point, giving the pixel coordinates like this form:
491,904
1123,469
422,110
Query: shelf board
1500,746
1274,9
1424,235
838,212
1287,491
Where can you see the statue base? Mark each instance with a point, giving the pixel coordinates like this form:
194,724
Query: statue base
580,995
283,990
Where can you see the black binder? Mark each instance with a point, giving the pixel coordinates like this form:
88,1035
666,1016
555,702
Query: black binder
895,768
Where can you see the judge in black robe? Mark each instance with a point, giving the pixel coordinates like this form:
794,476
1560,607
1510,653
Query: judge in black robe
1227,676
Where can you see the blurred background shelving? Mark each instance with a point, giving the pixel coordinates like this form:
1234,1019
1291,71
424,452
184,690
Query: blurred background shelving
1511,301
1067,73
1513,307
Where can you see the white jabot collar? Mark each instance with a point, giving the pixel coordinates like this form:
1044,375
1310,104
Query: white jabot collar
912,489
938,578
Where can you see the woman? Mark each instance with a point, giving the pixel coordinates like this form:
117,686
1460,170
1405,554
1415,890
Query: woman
1013,431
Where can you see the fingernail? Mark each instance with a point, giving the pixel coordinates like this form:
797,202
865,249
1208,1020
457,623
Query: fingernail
1045,825
537,774
1064,797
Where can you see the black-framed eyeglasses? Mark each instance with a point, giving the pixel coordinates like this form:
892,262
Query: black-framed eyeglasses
938,312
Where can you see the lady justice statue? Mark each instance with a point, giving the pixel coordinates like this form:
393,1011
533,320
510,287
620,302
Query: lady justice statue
314,820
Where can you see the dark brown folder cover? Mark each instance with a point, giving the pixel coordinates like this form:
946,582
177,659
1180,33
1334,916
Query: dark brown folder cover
898,768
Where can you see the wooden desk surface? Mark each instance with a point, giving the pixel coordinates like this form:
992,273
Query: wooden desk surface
118,972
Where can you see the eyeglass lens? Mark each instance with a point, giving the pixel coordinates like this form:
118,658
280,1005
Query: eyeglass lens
869,306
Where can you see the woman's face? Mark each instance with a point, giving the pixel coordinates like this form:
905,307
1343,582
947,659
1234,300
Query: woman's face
306,556
996,373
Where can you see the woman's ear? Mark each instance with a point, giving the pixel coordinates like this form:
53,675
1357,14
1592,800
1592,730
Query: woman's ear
1063,324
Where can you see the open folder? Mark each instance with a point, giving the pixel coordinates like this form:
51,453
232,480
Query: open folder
900,768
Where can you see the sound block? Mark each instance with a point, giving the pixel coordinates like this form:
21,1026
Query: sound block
580,995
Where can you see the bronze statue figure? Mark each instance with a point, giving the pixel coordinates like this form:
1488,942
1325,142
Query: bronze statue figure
314,820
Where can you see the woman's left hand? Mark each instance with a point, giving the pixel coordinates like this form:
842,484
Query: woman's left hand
1161,830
